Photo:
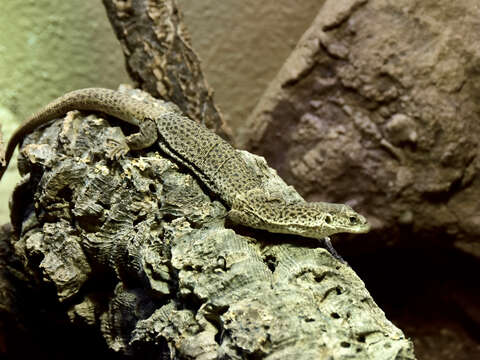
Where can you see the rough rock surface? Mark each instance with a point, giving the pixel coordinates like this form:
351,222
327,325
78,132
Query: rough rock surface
136,251
378,107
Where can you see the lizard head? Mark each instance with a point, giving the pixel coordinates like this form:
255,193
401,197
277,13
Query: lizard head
309,219
338,218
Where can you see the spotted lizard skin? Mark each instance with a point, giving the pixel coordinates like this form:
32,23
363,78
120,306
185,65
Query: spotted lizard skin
214,161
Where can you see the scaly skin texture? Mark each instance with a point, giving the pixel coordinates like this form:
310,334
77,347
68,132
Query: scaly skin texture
214,161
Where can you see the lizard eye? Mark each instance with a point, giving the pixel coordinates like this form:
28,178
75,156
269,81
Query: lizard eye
328,219
353,219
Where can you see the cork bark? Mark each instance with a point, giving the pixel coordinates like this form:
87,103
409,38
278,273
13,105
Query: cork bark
136,253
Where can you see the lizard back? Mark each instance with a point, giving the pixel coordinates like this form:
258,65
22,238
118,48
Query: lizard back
206,154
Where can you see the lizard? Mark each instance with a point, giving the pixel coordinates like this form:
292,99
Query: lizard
211,159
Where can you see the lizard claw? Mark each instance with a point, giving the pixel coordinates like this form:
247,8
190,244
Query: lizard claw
116,150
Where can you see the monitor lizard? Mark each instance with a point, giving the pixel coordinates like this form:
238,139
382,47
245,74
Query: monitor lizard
213,160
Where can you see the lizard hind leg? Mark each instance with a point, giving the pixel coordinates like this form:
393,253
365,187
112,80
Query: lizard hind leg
145,137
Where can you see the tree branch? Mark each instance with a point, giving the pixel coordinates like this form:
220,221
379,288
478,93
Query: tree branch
160,59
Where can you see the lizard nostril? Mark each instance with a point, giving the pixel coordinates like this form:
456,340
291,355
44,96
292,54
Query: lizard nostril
353,220
328,219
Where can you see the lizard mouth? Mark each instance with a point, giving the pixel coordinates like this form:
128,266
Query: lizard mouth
361,229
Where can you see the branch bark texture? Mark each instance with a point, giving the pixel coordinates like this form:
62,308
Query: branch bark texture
160,59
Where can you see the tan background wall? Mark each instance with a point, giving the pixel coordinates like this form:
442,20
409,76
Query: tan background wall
50,47
243,44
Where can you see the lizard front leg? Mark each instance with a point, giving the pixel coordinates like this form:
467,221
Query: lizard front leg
331,249
144,138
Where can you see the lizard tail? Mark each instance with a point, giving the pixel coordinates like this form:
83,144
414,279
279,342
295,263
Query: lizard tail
96,99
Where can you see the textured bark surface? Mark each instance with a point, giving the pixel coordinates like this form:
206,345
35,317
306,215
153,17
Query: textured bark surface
161,61
378,106
136,252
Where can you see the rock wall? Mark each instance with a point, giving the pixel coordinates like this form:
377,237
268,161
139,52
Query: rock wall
378,107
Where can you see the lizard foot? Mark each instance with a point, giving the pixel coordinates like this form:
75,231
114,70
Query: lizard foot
116,150
146,136
331,250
